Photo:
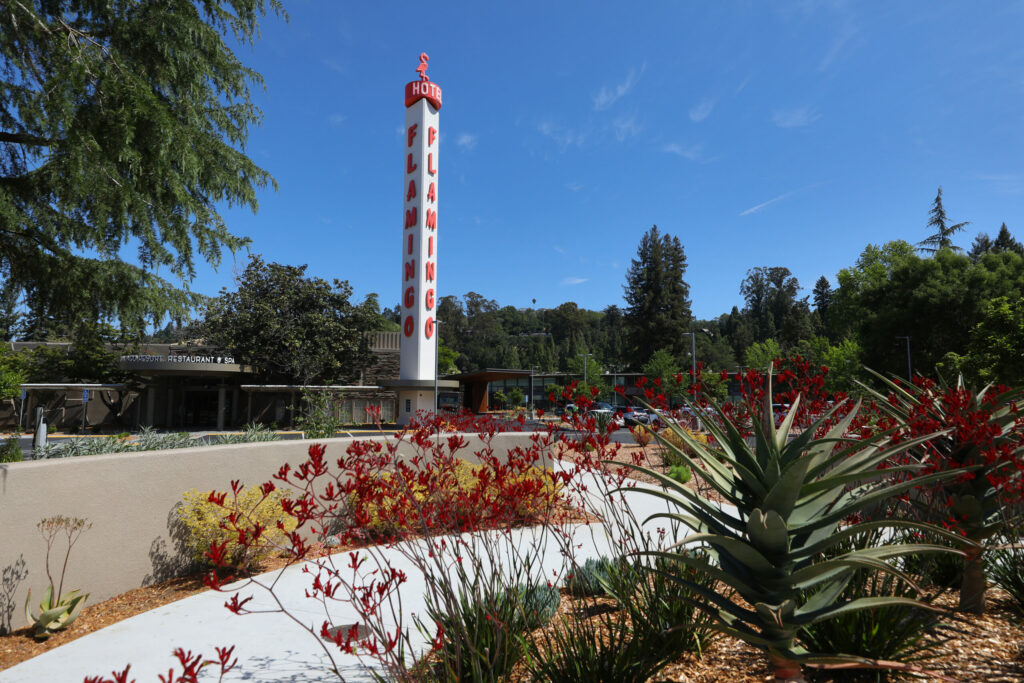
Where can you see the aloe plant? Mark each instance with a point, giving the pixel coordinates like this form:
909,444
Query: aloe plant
787,499
983,445
54,615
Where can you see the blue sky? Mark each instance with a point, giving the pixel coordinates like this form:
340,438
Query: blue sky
761,134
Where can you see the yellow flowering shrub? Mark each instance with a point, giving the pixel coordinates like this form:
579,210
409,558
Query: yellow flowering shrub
205,523
459,497
668,436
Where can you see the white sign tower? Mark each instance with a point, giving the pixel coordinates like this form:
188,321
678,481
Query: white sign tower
419,247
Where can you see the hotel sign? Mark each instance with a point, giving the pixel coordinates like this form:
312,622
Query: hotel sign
176,358
419,226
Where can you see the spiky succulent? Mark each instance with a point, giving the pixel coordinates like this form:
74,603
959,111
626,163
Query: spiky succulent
786,500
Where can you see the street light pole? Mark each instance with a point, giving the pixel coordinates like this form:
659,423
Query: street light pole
910,373
586,355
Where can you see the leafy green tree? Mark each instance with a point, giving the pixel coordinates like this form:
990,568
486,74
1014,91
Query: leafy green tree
936,301
12,374
446,359
760,354
772,305
592,377
293,328
871,271
994,350
121,124
516,397
657,298
500,399
942,238
662,365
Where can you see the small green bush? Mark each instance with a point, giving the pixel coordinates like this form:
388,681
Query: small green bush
599,577
1006,565
680,473
599,648
663,609
538,604
888,632
10,450
483,633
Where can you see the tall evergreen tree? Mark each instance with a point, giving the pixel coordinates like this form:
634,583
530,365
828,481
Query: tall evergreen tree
982,245
822,296
121,124
657,298
1005,242
943,236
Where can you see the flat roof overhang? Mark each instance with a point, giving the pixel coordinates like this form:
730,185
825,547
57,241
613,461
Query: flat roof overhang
178,369
489,375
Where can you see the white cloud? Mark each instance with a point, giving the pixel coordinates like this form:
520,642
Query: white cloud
574,280
626,127
702,110
787,195
608,95
795,118
560,250
693,153
845,35
336,119
563,136
466,141
574,186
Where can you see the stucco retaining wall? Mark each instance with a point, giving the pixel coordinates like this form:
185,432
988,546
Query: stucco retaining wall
129,498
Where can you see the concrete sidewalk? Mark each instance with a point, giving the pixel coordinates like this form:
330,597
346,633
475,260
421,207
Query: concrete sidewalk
271,648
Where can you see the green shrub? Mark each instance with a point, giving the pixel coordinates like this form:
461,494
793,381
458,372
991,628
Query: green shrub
676,443
1006,565
680,473
602,647
538,604
484,633
592,578
663,610
254,432
893,632
206,523
10,450
317,420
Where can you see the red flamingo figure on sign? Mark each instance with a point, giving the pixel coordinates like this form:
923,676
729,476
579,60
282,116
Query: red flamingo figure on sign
422,68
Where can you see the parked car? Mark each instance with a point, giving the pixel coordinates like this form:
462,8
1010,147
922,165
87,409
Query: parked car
637,416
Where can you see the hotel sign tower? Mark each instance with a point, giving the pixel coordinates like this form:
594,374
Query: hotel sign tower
419,246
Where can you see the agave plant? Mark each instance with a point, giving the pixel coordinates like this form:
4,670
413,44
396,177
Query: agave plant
787,501
54,615
982,445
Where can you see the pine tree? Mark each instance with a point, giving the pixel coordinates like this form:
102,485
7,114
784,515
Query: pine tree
657,298
1005,242
121,124
822,296
943,237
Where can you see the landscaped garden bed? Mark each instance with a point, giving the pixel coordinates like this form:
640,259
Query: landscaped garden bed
828,539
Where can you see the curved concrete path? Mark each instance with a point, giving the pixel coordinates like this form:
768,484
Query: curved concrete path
271,648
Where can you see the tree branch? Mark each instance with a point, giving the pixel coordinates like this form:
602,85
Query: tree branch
24,139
